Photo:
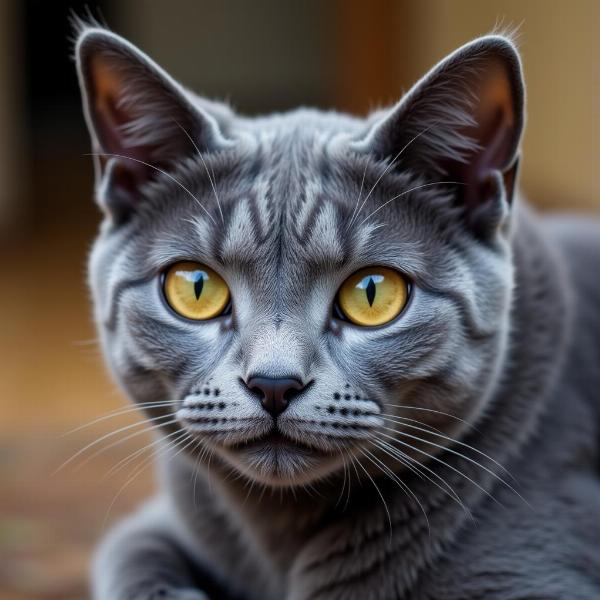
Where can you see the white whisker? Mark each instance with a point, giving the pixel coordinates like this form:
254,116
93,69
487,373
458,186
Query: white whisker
433,410
99,451
203,453
160,171
108,435
408,420
362,183
385,506
387,471
393,418
388,167
131,457
412,189
439,460
211,179
142,467
120,411
396,453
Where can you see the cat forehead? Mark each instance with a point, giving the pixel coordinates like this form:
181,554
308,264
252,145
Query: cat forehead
287,207
288,186
302,192
301,125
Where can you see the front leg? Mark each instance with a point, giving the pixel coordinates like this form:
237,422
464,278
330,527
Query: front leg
142,559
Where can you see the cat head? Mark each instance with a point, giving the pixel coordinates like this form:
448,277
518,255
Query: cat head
288,291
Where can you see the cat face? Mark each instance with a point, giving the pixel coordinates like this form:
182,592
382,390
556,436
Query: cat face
289,291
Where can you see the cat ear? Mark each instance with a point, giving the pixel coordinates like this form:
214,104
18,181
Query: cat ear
140,119
462,122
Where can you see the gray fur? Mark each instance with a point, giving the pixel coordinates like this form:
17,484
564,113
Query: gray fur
501,332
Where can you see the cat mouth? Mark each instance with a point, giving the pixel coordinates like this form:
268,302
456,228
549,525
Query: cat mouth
276,440
275,458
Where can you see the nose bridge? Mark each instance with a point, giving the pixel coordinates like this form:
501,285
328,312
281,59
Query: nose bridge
276,350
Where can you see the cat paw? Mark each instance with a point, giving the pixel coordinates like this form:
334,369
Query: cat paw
188,595
168,593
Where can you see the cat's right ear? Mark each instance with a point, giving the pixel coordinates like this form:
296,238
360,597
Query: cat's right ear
462,124
140,120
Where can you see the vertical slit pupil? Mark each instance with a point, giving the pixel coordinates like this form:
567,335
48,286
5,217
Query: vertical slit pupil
198,285
371,289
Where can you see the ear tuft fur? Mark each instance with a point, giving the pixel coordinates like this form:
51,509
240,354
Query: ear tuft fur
81,23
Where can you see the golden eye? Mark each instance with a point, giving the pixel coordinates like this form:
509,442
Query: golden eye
195,291
373,296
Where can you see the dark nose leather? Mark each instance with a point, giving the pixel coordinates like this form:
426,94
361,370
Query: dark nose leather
275,393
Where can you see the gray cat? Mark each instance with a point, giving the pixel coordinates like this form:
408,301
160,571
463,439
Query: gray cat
373,369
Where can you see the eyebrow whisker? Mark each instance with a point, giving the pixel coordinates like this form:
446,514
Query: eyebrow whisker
141,162
417,187
389,166
211,179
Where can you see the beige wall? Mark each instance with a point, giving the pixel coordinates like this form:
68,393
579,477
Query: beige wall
560,45
260,54
278,54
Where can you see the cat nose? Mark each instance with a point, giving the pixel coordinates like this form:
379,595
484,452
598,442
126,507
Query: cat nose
275,393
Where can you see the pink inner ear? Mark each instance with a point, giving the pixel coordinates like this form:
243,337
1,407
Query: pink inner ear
108,126
109,118
495,147
133,109
107,89
496,122
109,114
494,133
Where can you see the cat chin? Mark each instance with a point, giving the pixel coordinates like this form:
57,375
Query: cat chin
280,462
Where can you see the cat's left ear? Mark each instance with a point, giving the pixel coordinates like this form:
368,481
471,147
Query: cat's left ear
140,119
462,122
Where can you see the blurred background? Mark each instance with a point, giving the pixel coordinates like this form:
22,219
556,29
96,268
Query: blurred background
262,56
